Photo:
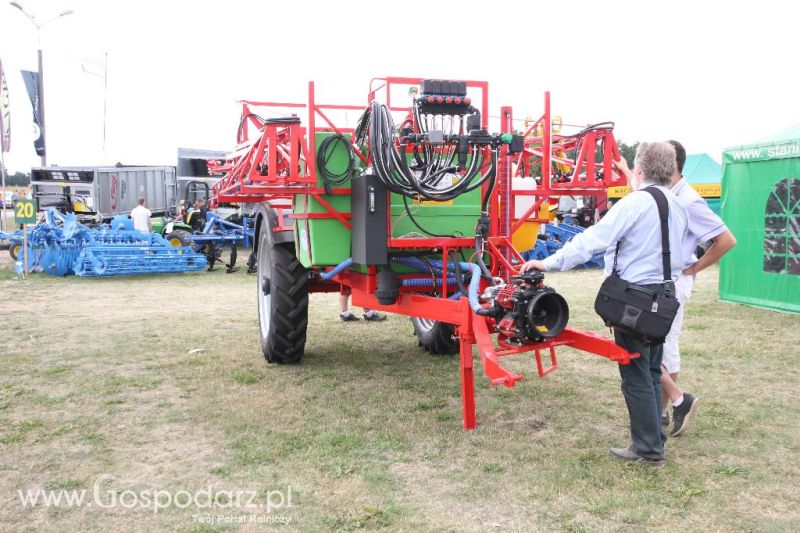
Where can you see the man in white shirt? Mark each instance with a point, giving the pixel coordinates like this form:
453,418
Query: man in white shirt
704,225
141,217
634,223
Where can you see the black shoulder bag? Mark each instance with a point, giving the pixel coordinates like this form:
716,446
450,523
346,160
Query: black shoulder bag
636,310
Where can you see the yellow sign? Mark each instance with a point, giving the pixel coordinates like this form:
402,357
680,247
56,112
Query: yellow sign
706,190
618,192
419,201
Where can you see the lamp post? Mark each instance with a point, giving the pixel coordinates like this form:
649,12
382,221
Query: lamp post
39,27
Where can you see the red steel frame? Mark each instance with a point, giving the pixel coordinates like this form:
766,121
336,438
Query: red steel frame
289,152
586,177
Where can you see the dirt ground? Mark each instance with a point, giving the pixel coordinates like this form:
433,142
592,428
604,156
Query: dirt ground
130,386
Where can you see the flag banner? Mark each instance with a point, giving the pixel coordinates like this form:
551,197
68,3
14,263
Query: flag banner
5,113
32,84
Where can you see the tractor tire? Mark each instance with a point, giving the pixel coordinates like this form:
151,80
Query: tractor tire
15,250
438,338
282,283
179,238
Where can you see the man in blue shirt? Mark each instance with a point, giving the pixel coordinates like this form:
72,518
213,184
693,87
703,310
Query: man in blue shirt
633,222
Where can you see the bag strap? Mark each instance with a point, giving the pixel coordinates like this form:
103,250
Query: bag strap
663,214
616,253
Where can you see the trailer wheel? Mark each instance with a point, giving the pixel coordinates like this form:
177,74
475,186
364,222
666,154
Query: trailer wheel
436,337
282,283
179,238
14,250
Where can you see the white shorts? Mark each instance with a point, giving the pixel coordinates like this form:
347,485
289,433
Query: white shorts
672,354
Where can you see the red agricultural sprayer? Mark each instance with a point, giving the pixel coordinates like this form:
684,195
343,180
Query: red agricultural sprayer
412,212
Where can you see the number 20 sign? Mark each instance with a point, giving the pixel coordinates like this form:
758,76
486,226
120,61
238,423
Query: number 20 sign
25,212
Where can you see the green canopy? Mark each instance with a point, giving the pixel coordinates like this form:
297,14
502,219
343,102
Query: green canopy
704,174
701,168
785,144
761,206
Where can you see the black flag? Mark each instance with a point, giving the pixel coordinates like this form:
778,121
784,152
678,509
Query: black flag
32,84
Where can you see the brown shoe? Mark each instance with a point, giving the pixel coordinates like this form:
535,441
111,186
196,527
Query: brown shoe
627,454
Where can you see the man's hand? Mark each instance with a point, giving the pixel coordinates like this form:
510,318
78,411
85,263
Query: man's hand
722,244
622,166
532,264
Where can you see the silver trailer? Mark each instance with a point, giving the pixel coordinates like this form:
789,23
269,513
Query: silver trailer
99,193
193,168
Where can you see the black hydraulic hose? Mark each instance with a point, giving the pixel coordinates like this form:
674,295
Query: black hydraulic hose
430,267
392,166
479,250
362,127
490,188
325,152
414,221
459,274
244,119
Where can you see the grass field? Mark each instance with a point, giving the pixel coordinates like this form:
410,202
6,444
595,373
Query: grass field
159,382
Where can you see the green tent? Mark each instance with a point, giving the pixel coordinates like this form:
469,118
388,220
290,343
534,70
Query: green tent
701,169
761,206
704,174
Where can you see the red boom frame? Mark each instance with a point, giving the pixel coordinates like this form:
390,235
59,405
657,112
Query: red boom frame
279,162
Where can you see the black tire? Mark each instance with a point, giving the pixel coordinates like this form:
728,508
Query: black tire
282,285
14,250
436,337
179,236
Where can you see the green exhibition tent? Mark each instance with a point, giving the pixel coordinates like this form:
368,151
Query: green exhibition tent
761,206
704,174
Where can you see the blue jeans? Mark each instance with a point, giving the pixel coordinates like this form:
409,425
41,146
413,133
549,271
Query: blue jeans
641,387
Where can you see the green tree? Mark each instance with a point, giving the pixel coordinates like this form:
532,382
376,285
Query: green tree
17,179
628,151
20,179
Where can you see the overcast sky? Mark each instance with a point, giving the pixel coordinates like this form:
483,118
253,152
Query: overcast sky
711,75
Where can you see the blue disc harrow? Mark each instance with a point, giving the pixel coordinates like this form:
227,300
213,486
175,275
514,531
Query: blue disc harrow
60,246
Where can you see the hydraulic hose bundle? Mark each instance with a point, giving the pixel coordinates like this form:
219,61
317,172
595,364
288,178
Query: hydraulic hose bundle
434,161
441,151
439,154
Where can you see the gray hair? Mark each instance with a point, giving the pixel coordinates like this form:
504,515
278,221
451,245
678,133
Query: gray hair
657,162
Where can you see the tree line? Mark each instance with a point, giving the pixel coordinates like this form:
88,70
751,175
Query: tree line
17,179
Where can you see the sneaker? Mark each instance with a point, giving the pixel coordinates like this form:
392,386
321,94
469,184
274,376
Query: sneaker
627,454
373,316
348,317
665,419
683,414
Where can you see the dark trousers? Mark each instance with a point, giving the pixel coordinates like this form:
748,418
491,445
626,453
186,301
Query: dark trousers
641,387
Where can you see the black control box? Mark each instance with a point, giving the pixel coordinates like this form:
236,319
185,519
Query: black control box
444,97
443,88
369,210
